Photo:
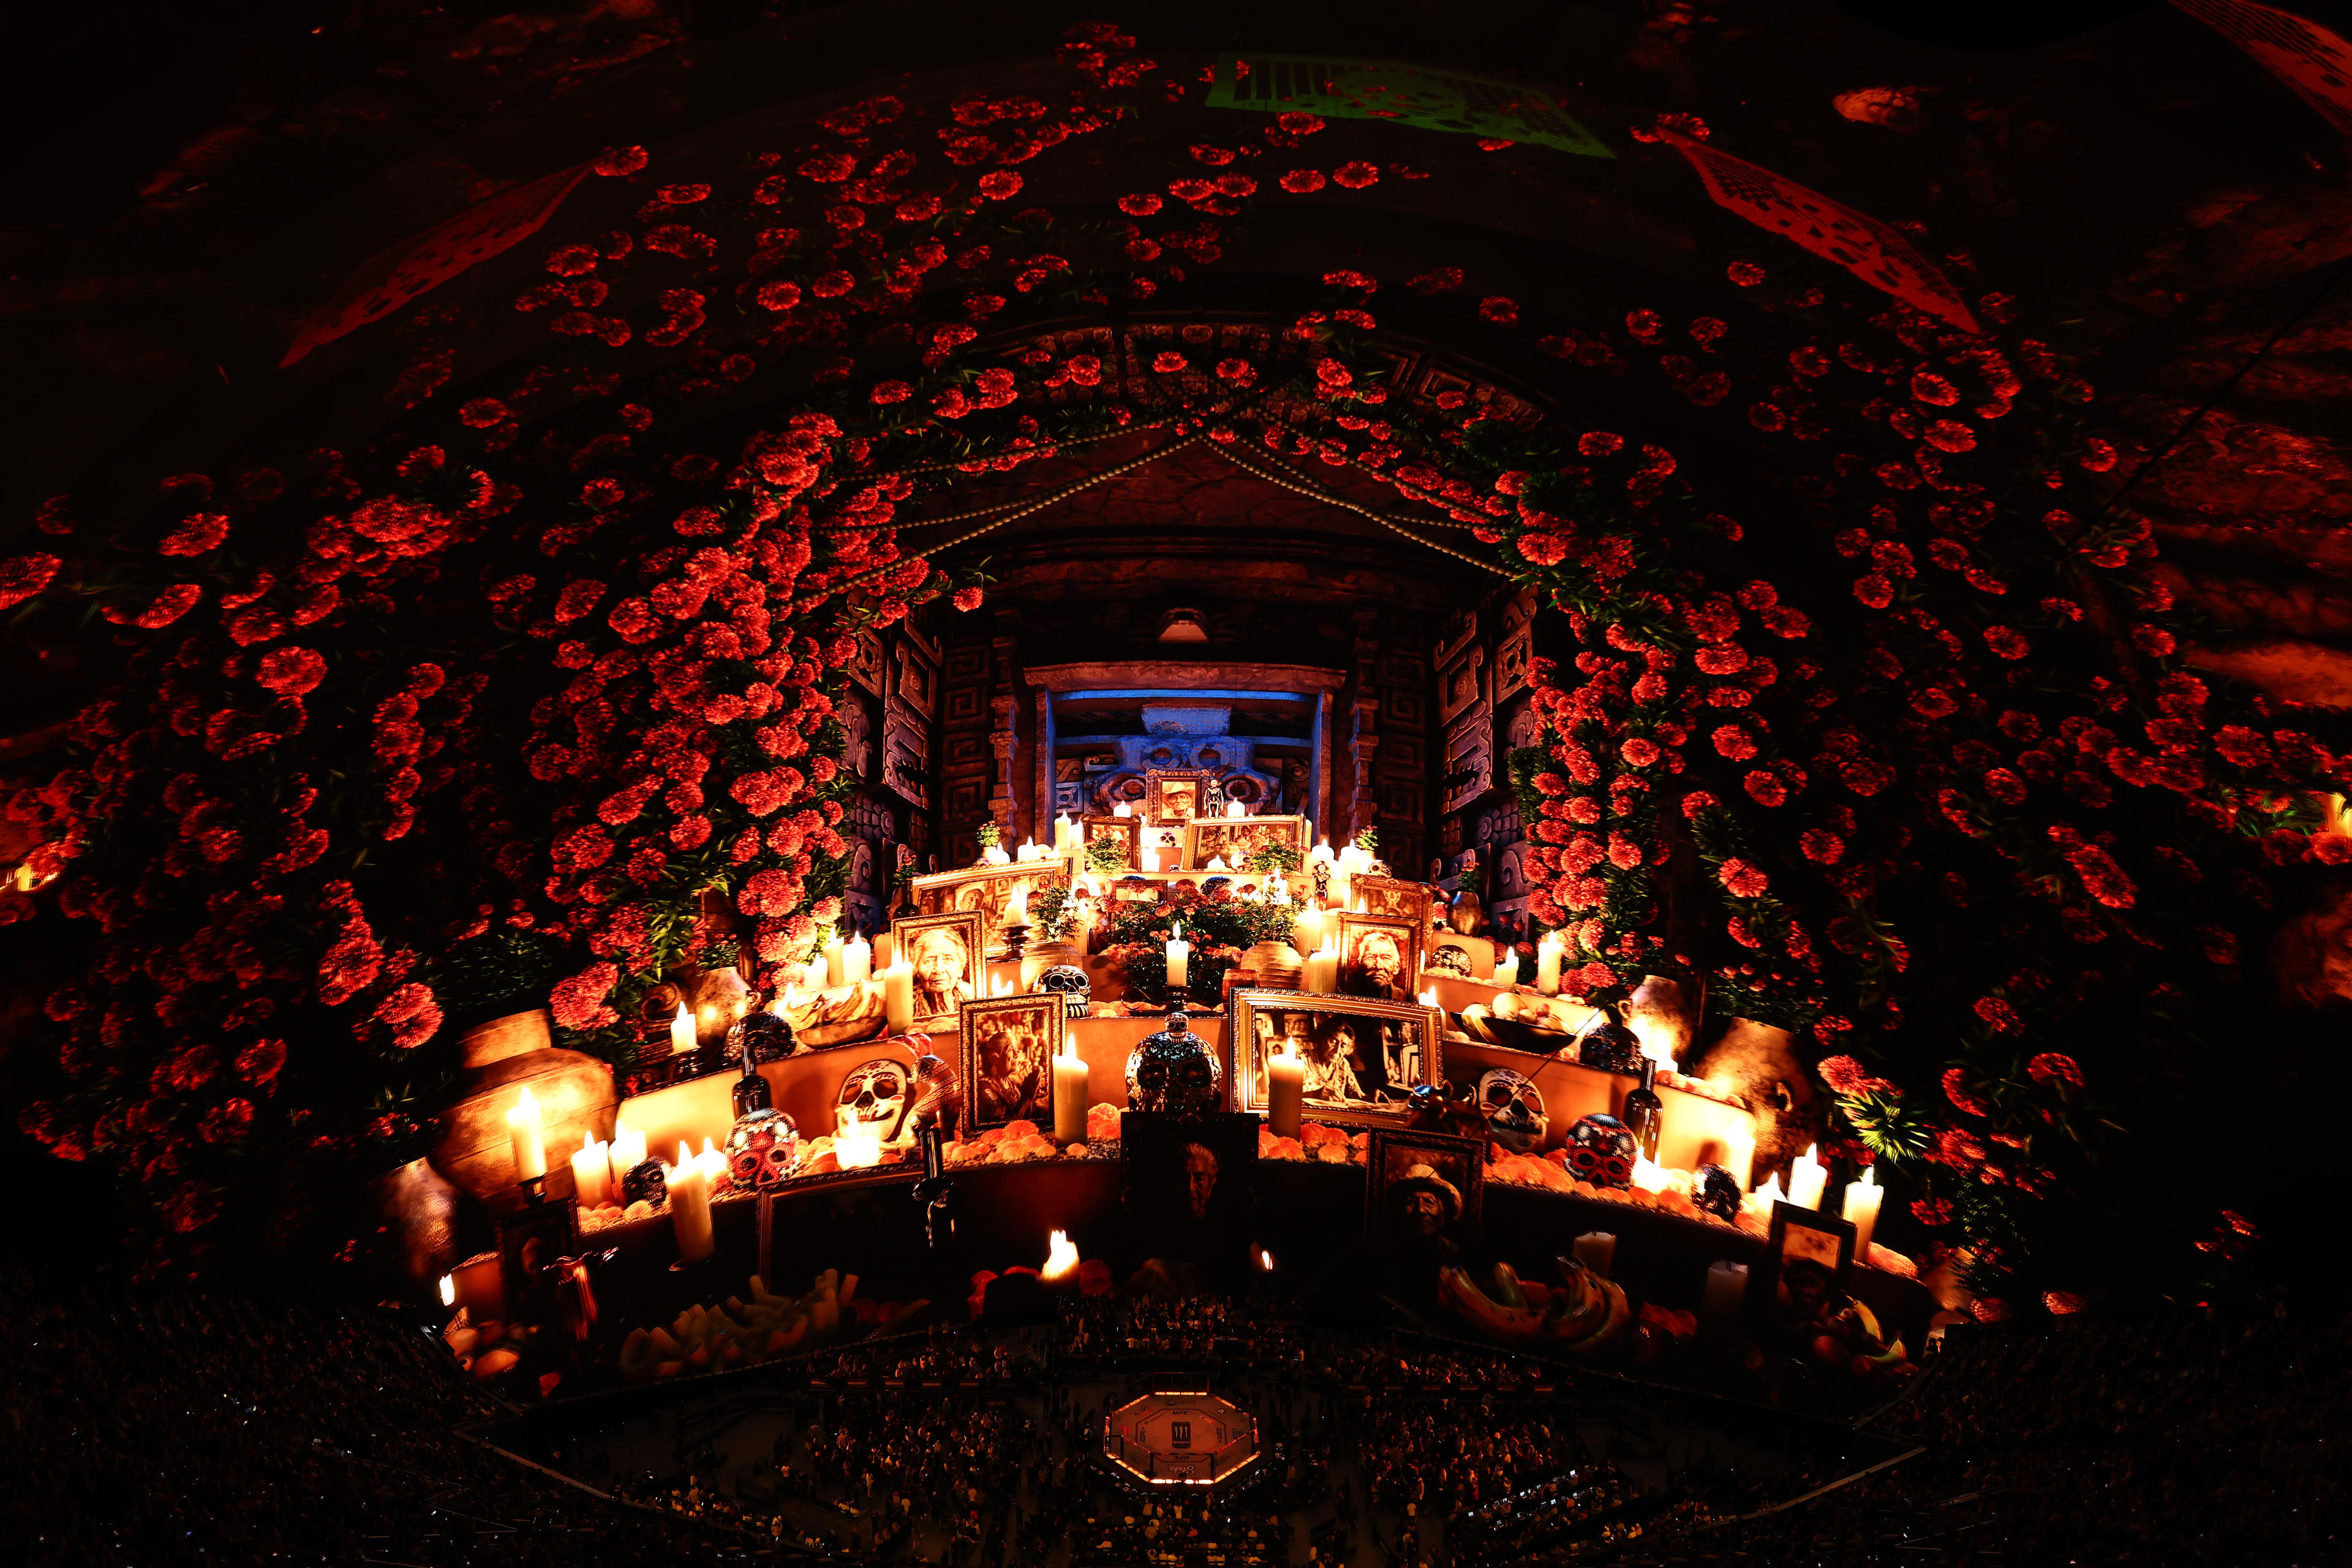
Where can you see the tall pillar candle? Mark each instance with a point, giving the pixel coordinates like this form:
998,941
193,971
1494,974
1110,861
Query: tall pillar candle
1597,1250
898,996
1069,1096
1321,976
1807,1178
1727,1285
1286,1090
689,1206
1861,1210
681,1031
857,961
1180,960
1548,957
626,1152
1306,931
835,964
1506,970
523,1130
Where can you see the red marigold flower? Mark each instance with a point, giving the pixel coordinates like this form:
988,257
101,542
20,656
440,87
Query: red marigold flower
481,413
412,1013
258,1063
1765,788
2000,1015
1543,549
1639,750
1742,879
1356,174
1302,182
1143,205
1298,122
1745,274
23,576
292,671
778,296
2152,640
1956,1090
1237,370
1599,443
965,599
577,1002
1932,1211
2007,642
1499,309
1168,363
1698,800
1929,387
1732,742
615,162
1950,436
1000,186
1844,1075
2052,1066
167,606
1822,846
198,532
889,392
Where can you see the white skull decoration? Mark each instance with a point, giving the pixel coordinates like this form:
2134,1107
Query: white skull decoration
1514,1109
873,1096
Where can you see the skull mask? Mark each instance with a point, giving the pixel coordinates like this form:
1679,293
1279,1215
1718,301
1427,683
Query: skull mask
1172,1071
1070,983
873,1096
1514,1109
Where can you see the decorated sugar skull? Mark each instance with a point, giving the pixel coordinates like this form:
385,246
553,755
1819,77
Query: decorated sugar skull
1610,1048
1601,1150
1068,982
1514,1109
872,1097
1174,1070
1449,958
1716,1191
763,1149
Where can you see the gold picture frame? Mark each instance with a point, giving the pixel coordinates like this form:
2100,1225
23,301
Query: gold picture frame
1367,943
987,891
939,994
1411,1040
1394,897
1174,795
1008,1047
1210,837
1094,826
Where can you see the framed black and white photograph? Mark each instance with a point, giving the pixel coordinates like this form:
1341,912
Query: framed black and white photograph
1808,1255
992,892
1174,795
1191,1185
1364,1057
1234,840
1379,956
1009,1045
949,964
1419,1187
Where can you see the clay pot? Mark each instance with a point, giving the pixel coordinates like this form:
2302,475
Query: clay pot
1657,1012
500,1059
1761,1062
419,1211
1466,915
1040,956
1273,966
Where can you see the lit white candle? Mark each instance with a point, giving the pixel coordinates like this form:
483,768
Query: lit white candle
1861,1211
1016,912
1806,1177
1061,1260
592,1174
1180,960
1065,834
816,975
1739,1155
995,855
858,1148
898,997
689,1184
857,961
1217,864
1727,1283
1548,957
1120,808
628,1151
522,1129
1306,931
448,1290
1506,970
1286,1090
1761,1200
681,1030
1597,1250
1069,1095
1322,975
1343,889
1234,809
833,970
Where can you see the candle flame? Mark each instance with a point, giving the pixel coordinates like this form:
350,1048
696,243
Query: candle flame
1060,1257
526,1110
448,1290
1429,997
1121,810
858,1148
1234,809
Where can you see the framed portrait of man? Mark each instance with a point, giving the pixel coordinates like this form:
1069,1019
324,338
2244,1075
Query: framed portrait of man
1009,1044
1364,1057
1379,956
1234,840
1127,830
1807,1258
989,891
1174,795
949,961
1191,1182
1422,1189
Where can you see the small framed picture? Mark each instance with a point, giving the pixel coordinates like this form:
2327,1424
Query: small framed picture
990,892
1422,1187
1394,897
530,1238
1163,846
1128,830
1009,1045
949,961
1379,956
1808,1255
1364,1057
1234,840
1174,795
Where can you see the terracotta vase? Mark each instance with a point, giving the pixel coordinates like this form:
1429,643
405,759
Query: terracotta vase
1658,1013
1273,966
1761,1062
419,1211
501,1059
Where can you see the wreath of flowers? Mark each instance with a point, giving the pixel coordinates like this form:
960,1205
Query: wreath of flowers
563,654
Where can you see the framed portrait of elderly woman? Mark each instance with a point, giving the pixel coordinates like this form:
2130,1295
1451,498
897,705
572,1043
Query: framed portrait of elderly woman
1379,956
1234,840
949,964
990,891
1174,795
1126,831
1363,1059
1009,1045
